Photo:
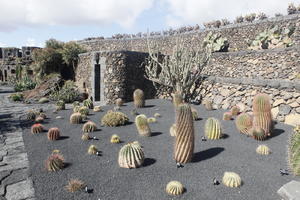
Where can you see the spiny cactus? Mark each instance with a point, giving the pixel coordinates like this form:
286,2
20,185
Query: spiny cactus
53,134
235,110
208,105
138,98
263,150
184,145
43,115
31,115
231,179
55,162
174,188
157,115
151,120
216,42
142,125
92,149
227,116
85,136
39,119
60,105
112,118
131,155
37,128
89,127
97,109
258,133
119,102
173,130
177,98
83,110
262,116
194,113
115,139
76,109
76,118
243,123
213,129
75,185
294,153
88,103
76,103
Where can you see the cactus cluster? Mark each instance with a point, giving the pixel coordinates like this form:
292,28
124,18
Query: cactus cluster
53,134
84,110
138,98
177,98
184,145
119,102
76,118
174,188
227,116
75,185
115,139
294,153
88,103
263,150
60,105
92,149
213,129
55,162
112,118
243,123
37,128
89,127
131,155
173,130
216,42
231,179
142,125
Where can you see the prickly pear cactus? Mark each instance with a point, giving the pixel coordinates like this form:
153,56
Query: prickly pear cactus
131,155
213,129
216,42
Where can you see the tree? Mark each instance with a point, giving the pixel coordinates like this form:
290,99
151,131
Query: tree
180,70
54,44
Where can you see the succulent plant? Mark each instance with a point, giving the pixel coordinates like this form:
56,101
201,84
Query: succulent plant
31,114
43,100
262,116
235,110
76,118
294,153
173,130
138,98
89,127
88,103
115,139
231,179
194,113
83,110
208,105
112,118
131,155
258,133
119,102
227,116
213,129
97,109
37,128
174,188
85,136
263,150
43,115
76,109
55,162
184,145
39,119
142,125
156,115
177,98
151,120
92,149
53,134
60,105
76,103
243,123
216,42
75,185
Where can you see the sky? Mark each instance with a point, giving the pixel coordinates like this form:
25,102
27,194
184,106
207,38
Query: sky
32,22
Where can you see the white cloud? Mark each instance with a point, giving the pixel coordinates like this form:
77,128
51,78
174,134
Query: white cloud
199,11
3,44
70,12
30,42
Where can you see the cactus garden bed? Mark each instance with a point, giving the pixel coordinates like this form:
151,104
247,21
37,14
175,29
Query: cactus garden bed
235,152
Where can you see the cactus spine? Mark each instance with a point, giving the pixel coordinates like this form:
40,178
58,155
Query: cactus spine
131,155
174,188
231,179
76,118
294,152
184,145
213,129
138,98
243,123
142,125
37,128
53,133
55,162
89,127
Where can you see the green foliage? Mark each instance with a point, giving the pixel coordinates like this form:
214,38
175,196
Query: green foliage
216,42
68,93
25,83
16,97
70,52
54,44
112,118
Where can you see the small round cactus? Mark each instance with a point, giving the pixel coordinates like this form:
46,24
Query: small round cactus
263,150
194,113
174,188
119,102
37,128
112,118
55,162
43,115
139,98
92,149
235,110
131,155
39,119
76,109
89,127
156,115
115,139
76,103
173,130
75,185
231,179
142,125
151,120
213,129
53,134
258,133
88,103
227,116
85,136
244,123
177,98
97,109
76,118
31,115
84,110
208,105
60,105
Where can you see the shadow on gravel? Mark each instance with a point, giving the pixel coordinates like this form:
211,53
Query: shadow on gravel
63,137
276,132
225,136
156,133
5,116
148,162
206,154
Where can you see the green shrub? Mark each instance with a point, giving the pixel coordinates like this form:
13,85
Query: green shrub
68,93
24,84
17,97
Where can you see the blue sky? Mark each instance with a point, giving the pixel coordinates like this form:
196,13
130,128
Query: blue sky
31,22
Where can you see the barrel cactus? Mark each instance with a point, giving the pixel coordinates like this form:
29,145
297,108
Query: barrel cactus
151,120
43,115
213,129
227,116
92,149
142,125
89,127
39,119
75,185
174,188
231,179
75,103
131,155
235,110
138,98
31,114
53,134
84,110
97,109
194,113
184,145
119,102
263,150
88,103
294,153
55,162
243,123
60,105
37,128
156,115
177,98
76,118
173,130
262,116
112,118
85,136
258,133
115,139
76,109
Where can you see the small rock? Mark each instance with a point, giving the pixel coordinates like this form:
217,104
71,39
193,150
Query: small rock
298,110
278,102
292,119
280,118
294,104
275,112
241,106
218,99
58,117
225,92
284,109
287,96
290,190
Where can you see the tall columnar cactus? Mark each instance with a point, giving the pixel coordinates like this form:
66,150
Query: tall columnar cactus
37,128
89,127
177,98
294,153
53,134
213,129
60,105
258,133
76,118
184,145
262,116
131,155
142,125
138,98
243,123
88,103
55,162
